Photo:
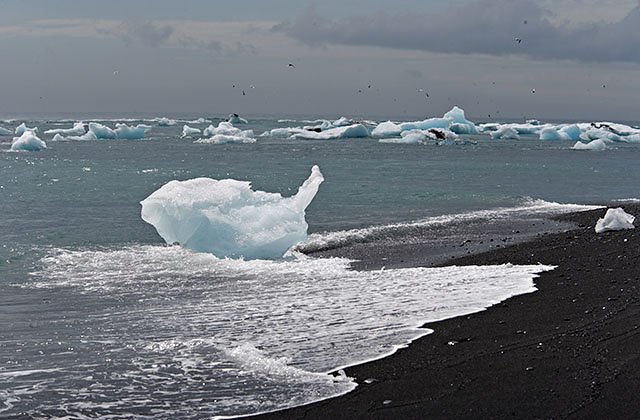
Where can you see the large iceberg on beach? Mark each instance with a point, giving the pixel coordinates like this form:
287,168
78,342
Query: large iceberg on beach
615,219
28,141
228,218
77,130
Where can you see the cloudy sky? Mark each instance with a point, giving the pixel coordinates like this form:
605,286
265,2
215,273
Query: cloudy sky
357,58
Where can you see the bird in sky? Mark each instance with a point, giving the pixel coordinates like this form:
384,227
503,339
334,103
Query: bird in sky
518,40
243,93
115,72
533,91
291,65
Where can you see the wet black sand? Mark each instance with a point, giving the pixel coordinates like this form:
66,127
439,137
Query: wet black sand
570,350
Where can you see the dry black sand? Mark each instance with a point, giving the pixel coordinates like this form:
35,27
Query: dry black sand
569,350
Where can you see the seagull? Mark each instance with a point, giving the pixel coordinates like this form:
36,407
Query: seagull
369,87
115,72
252,86
291,65
243,93
233,86
525,22
359,90
533,91
518,40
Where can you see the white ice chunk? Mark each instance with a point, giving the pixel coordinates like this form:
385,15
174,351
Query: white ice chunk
412,137
236,119
601,134
165,122
282,132
77,130
615,219
5,132
505,132
102,131
595,145
125,132
22,128
229,219
225,139
386,129
566,132
88,136
342,121
190,131
198,121
28,141
350,131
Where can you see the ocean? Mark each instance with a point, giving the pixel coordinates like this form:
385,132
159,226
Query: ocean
101,318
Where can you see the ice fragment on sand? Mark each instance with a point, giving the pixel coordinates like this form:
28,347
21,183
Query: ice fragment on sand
615,219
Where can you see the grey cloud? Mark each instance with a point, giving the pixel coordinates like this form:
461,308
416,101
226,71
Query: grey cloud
476,27
216,46
146,33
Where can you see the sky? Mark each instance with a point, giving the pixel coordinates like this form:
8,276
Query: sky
355,58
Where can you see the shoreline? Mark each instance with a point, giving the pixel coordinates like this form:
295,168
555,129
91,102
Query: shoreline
567,350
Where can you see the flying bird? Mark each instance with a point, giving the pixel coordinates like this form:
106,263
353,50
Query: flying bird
115,72
533,91
518,40
243,92
291,65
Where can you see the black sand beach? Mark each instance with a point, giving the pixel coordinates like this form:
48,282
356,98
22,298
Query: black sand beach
569,350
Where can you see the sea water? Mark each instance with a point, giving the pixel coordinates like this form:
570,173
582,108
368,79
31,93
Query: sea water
99,317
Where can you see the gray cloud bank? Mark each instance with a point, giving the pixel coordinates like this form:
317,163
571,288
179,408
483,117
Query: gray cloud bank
476,27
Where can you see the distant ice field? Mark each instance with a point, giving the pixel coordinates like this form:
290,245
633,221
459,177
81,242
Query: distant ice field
99,317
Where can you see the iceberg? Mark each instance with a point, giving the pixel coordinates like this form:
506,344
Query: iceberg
615,219
596,145
164,122
567,132
459,124
28,141
189,131
125,132
505,132
228,218
5,132
88,136
282,132
236,119
225,132
350,131
198,121
225,139
411,137
102,131
77,130
386,129
22,128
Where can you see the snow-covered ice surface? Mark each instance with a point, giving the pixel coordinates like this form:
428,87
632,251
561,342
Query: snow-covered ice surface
229,219
615,219
190,131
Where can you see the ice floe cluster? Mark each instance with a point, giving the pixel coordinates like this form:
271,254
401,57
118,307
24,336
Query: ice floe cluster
341,128
229,219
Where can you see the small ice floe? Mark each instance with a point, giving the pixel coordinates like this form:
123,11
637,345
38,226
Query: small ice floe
505,132
190,131
78,129
236,119
28,141
164,122
22,128
4,132
615,219
595,145
225,133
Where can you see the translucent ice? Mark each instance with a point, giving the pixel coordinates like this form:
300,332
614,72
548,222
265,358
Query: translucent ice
615,219
189,131
77,130
22,128
459,123
568,132
5,132
229,219
125,132
102,131
28,141
386,129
